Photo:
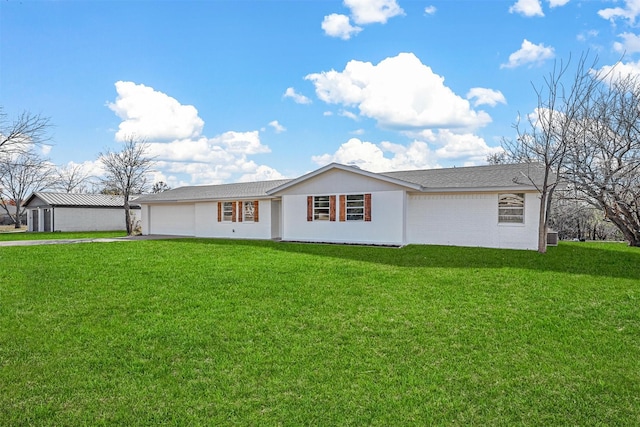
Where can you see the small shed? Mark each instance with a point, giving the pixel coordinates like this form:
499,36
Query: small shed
48,211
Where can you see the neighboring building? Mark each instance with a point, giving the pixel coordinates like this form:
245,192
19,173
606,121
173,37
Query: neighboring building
6,219
48,211
488,206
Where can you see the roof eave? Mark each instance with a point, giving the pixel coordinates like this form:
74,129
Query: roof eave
347,169
527,188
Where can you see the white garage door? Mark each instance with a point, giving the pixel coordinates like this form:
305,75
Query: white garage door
174,220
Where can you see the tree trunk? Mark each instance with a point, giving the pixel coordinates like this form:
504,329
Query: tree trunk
542,224
127,216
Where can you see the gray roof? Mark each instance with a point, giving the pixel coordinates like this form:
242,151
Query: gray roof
451,179
71,199
217,192
491,176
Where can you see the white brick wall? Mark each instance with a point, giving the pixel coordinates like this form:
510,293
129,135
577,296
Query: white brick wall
469,220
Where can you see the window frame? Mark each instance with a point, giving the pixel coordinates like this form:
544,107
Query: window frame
508,206
319,210
252,216
354,212
228,214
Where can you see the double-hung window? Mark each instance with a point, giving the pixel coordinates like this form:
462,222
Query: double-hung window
227,211
248,211
321,208
354,207
511,208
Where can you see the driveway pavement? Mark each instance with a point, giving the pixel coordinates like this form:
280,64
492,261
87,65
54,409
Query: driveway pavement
97,240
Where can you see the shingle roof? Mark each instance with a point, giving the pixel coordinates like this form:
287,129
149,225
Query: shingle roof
68,199
474,177
491,176
211,192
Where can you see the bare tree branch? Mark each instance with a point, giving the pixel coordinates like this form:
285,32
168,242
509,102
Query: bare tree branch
20,175
26,130
127,171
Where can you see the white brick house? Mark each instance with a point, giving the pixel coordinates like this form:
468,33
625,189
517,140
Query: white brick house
488,206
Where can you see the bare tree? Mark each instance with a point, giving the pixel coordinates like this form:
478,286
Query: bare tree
26,130
127,170
72,178
604,160
22,173
499,158
545,137
160,187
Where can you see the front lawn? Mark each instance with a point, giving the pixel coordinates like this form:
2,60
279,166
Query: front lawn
24,235
219,332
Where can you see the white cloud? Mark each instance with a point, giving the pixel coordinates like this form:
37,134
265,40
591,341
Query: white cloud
348,114
527,8
620,71
363,12
484,96
277,127
261,173
630,11
373,11
470,148
184,156
585,35
371,157
529,53
399,92
557,3
153,115
430,10
630,43
466,149
297,98
336,25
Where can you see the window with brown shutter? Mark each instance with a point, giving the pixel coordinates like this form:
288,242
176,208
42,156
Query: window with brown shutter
219,211
239,211
255,211
309,208
249,211
354,207
343,207
321,208
228,211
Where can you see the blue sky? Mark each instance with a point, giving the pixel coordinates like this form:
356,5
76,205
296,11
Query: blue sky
239,90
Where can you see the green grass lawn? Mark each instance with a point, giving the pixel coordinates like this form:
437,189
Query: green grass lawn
219,332
23,235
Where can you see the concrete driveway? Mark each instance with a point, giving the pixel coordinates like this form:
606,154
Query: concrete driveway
97,240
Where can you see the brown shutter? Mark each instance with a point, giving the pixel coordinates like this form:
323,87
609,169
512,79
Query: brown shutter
332,208
367,207
309,208
256,211
343,207
240,211
219,211
233,211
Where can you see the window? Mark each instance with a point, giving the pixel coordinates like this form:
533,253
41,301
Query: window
227,211
321,208
511,208
248,211
354,208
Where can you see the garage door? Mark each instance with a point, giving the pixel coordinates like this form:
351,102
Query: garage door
174,220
